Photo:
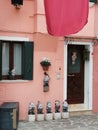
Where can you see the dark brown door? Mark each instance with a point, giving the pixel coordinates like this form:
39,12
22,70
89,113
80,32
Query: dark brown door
75,75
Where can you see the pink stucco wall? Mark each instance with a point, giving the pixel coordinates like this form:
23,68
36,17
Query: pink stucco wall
95,64
88,30
24,92
26,23
95,79
29,22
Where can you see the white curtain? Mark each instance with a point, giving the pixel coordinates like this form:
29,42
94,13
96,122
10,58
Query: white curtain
17,58
5,58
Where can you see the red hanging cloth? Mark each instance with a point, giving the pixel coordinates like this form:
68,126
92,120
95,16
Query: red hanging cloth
65,17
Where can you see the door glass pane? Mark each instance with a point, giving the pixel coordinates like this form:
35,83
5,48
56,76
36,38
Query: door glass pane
5,58
17,58
73,61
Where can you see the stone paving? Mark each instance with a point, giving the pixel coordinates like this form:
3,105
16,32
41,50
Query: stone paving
84,122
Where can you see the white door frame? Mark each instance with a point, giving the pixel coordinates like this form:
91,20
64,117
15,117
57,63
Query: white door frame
88,71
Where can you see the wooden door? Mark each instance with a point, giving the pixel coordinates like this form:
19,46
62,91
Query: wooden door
75,75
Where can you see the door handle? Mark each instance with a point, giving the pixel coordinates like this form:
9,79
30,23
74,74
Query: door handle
71,75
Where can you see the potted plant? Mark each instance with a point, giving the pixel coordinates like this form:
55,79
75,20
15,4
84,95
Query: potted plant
45,63
86,54
40,114
31,112
57,113
65,113
49,114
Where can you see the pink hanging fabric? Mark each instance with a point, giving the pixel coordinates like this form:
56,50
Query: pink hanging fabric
65,17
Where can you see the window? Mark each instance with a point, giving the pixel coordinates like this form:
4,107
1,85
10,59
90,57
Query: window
94,1
16,60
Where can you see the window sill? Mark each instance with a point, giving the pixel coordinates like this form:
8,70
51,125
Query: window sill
13,81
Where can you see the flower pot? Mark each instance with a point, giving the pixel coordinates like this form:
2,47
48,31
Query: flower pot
31,117
57,116
65,115
46,88
48,116
45,68
40,117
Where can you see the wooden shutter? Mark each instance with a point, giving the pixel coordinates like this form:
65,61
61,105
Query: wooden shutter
0,60
27,64
94,1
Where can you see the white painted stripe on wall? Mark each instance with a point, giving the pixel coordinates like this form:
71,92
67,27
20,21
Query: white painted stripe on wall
7,38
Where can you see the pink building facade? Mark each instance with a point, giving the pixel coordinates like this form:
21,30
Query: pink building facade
27,25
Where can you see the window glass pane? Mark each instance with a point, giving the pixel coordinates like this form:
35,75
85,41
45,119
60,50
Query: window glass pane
17,58
5,58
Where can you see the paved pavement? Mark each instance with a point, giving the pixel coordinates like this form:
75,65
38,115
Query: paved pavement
85,122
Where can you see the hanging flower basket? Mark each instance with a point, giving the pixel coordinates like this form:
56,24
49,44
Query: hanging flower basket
45,63
86,54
